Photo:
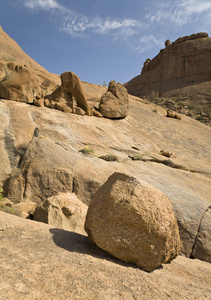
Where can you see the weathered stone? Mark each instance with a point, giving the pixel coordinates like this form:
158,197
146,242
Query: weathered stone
114,103
39,102
202,247
25,209
20,85
134,222
16,187
72,84
64,211
181,69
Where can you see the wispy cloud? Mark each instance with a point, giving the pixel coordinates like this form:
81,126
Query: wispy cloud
42,4
181,12
78,24
147,42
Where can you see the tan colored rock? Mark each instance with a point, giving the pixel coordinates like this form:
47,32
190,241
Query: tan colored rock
96,113
20,85
64,211
16,187
25,209
165,153
167,43
181,69
202,247
39,102
114,103
71,84
37,260
134,222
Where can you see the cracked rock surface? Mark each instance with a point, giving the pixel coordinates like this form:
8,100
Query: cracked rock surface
50,162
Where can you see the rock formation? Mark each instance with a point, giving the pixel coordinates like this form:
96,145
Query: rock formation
114,103
41,151
64,211
62,97
134,222
183,68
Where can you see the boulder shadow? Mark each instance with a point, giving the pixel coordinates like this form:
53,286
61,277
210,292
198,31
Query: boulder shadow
75,242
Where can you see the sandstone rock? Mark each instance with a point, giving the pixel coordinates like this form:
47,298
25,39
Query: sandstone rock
25,209
167,43
79,111
96,113
39,102
165,153
172,114
72,84
20,85
134,222
114,103
181,69
64,211
16,187
202,247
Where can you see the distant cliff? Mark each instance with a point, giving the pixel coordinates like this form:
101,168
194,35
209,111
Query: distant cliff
183,68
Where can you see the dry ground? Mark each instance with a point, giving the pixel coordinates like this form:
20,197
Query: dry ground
41,262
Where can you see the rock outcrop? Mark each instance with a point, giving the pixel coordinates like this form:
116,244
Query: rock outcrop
114,103
41,150
183,68
62,97
64,211
134,222
41,154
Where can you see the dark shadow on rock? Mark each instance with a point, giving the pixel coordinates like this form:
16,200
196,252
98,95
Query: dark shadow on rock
75,242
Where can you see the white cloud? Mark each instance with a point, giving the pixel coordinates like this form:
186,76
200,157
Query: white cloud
181,12
148,42
77,24
42,4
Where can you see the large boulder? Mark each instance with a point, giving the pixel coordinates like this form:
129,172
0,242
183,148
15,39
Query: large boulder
134,222
20,84
72,84
114,103
64,211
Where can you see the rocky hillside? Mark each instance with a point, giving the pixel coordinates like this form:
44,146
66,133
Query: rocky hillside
181,74
50,145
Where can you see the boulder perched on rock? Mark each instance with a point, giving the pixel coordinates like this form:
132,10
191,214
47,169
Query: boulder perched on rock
114,103
71,84
64,211
134,222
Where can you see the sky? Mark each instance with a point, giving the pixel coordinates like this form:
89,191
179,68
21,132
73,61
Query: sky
100,40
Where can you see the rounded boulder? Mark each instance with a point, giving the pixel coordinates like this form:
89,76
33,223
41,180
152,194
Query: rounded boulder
134,222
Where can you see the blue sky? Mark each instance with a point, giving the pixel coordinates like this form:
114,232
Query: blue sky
100,40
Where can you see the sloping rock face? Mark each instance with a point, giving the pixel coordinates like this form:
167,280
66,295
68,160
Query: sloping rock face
46,161
39,261
183,68
114,103
134,222
41,151
64,211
